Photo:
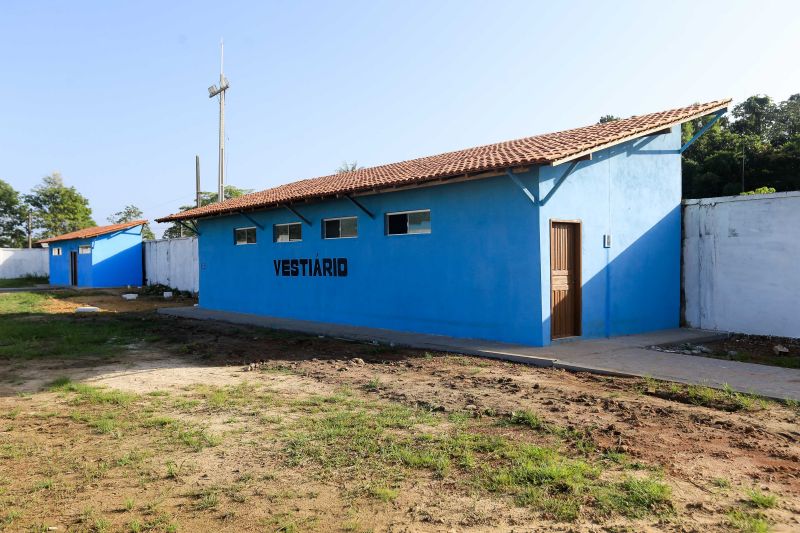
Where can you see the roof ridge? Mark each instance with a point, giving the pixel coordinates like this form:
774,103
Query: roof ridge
546,148
93,231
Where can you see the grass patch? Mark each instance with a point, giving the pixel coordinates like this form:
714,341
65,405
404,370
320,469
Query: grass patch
24,281
348,436
45,484
725,399
10,517
28,331
759,500
25,337
384,493
747,522
206,500
23,302
721,483
93,395
528,419
636,498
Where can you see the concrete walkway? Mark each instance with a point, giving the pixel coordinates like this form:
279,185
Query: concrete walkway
625,356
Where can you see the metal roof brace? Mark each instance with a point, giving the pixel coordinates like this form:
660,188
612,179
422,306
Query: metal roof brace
522,186
705,128
359,205
193,227
298,215
251,219
561,180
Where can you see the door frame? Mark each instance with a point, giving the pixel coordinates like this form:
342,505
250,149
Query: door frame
73,268
579,281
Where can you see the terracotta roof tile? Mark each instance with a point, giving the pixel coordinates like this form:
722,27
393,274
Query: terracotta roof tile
95,231
550,148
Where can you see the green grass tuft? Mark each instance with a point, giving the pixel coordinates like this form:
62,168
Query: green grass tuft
90,394
758,499
747,522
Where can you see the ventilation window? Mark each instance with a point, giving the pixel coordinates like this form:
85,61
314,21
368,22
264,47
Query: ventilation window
56,251
340,228
244,236
287,232
408,222
84,249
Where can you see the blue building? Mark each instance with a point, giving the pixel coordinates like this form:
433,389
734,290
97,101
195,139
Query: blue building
569,234
102,256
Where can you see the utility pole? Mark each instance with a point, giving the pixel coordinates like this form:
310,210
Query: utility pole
742,163
197,179
30,225
212,92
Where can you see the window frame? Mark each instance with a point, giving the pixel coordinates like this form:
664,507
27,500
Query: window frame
82,247
236,240
57,251
289,233
339,219
412,211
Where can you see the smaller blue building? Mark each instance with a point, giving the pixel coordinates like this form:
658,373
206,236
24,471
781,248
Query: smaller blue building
102,256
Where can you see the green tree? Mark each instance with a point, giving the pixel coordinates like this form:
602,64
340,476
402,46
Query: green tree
57,208
206,198
755,116
12,218
760,190
348,167
128,214
759,145
607,118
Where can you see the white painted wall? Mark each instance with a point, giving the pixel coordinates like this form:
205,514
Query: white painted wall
741,264
172,262
19,262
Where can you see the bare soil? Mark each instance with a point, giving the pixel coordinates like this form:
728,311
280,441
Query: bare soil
758,349
57,469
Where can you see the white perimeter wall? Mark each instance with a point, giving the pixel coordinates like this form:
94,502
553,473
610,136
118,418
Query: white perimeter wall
19,262
741,264
172,262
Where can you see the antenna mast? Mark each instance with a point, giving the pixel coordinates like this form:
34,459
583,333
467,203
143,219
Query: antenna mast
212,92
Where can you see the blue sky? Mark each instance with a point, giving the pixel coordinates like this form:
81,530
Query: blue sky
113,94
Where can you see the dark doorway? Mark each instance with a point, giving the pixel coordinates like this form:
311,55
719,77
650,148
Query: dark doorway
73,268
565,279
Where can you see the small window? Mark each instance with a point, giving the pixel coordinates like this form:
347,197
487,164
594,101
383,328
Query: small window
244,236
408,222
84,249
287,232
340,228
56,251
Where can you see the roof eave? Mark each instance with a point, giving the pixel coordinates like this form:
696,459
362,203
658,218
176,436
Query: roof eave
644,133
359,191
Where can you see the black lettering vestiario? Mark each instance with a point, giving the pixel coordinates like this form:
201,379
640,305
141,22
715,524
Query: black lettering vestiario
333,267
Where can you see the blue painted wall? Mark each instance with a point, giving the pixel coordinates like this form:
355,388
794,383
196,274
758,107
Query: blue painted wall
632,192
115,261
457,280
483,272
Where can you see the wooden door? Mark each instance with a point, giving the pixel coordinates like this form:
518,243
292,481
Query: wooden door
73,268
565,279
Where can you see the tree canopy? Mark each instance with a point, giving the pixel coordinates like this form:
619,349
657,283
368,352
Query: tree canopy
758,146
130,213
607,118
12,216
57,208
206,198
347,167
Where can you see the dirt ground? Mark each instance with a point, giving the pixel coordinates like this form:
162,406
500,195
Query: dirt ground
203,440
111,301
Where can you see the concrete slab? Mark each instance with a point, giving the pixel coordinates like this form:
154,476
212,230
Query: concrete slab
625,355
